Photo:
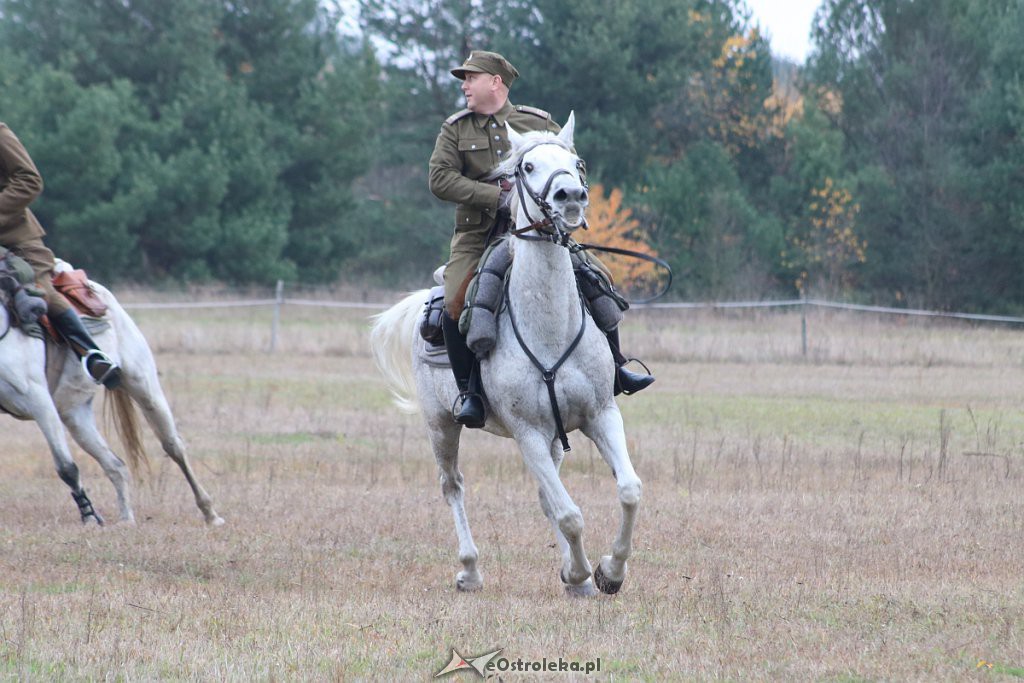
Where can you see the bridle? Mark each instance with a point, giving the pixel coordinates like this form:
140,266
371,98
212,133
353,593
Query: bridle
548,226
549,230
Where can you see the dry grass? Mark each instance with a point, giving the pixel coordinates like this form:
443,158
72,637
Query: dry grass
852,517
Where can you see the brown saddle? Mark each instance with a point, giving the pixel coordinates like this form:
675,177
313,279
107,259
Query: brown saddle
74,285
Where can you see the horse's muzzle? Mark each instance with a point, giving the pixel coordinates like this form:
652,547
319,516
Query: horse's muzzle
572,215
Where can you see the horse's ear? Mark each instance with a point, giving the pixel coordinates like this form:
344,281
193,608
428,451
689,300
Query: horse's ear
514,138
566,133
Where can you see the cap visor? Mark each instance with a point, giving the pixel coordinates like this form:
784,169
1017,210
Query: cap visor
461,72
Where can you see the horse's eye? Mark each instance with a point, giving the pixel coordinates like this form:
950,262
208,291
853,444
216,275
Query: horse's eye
580,166
528,167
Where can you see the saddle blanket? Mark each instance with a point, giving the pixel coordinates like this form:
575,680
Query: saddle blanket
432,354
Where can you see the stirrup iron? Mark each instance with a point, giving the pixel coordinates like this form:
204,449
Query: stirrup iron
647,371
460,403
102,357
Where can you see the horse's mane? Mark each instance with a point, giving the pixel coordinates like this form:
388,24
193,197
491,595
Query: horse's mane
530,140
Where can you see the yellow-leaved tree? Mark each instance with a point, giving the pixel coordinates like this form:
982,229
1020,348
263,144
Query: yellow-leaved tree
613,225
826,249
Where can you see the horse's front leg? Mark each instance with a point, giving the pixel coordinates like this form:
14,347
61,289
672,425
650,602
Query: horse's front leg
81,422
563,512
586,588
444,439
45,414
607,432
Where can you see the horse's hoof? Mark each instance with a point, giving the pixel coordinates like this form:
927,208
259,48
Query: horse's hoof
604,584
468,583
93,516
216,520
577,590
583,590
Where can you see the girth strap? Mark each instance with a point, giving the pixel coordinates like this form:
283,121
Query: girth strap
548,375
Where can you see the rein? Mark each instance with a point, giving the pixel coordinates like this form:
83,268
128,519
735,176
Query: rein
583,246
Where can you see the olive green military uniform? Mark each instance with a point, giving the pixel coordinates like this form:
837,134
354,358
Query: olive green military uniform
469,147
20,231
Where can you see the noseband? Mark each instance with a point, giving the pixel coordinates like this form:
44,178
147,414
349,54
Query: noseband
547,226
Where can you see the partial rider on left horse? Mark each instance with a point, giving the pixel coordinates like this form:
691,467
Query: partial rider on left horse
22,234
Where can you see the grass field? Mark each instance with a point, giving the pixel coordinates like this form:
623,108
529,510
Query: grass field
852,515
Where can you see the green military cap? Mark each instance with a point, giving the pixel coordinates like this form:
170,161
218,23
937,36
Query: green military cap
480,61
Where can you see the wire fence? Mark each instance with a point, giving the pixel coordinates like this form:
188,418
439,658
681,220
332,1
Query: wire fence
279,301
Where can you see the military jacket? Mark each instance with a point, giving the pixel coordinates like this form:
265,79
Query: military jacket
20,184
468,147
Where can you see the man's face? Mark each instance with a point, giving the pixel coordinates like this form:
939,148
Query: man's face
481,95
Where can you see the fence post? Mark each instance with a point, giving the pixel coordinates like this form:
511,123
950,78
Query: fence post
803,323
278,302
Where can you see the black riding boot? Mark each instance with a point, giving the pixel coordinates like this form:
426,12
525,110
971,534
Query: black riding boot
626,381
98,364
472,413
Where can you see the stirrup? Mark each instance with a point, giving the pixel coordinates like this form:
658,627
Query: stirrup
112,373
460,402
647,370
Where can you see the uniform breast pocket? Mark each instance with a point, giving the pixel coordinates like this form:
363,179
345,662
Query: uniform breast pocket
473,145
476,157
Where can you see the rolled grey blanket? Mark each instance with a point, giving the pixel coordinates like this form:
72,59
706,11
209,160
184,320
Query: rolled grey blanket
483,299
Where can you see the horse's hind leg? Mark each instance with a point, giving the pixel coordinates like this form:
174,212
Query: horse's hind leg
608,433
564,513
587,587
81,422
145,390
444,439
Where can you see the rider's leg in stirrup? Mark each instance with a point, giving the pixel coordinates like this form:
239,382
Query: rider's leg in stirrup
472,413
626,381
97,364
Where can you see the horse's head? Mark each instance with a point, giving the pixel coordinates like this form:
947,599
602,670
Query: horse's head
548,177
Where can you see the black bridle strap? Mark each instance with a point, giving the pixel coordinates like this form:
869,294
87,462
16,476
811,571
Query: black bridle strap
548,375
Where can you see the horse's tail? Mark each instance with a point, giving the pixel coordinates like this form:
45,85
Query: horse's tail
120,410
391,341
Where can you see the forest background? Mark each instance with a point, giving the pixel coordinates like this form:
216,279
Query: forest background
245,141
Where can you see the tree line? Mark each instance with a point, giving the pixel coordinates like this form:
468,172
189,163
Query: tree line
251,140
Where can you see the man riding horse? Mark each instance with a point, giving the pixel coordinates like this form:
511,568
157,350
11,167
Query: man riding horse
471,143
21,233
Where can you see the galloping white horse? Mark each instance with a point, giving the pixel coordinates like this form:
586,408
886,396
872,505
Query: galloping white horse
44,382
543,318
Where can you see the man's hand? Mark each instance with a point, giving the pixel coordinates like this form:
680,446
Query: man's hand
505,195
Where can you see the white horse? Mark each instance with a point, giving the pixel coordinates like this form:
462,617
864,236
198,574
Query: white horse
44,382
544,318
